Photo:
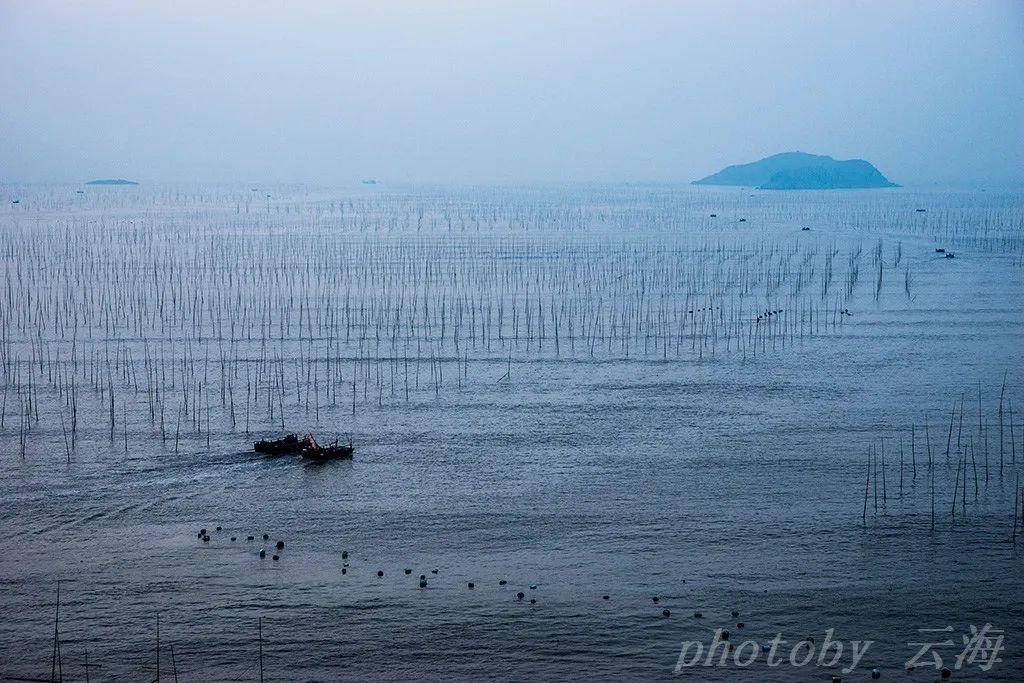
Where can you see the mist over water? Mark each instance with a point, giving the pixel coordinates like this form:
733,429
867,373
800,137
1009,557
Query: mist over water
572,388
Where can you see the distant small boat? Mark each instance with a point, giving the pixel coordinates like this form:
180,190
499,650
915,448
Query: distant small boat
805,228
317,453
16,201
370,182
940,250
714,215
291,443
950,254
920,210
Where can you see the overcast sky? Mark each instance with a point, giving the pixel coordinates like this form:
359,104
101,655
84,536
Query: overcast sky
505,92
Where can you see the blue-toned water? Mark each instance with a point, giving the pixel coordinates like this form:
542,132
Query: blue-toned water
577,389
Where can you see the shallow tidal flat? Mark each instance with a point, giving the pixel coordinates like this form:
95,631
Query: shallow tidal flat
621,391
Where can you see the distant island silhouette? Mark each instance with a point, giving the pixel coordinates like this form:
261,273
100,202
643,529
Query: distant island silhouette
111,181
800,171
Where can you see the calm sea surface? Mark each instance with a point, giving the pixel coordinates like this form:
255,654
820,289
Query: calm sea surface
568,389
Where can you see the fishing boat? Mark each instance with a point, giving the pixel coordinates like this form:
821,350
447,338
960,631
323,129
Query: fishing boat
317,453
291,443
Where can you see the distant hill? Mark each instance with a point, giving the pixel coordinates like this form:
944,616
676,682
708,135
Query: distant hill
112,181
800,171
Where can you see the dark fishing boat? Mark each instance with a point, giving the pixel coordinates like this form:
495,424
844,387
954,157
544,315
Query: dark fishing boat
289,444
317,453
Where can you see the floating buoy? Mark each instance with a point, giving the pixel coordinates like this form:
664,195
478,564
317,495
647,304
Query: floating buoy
946,673
263,553
433,571
665,613
697,615
654,599
502,582
605,597
218,528
471,585
837,679
233,539
423,577
735,613
765,648
875,673
280,545
275,558
740,625
408,571
344,554
266,537
344,571
725,635
423,583
520,595
533,586
250,538
380,572
206,539
533,601
202,532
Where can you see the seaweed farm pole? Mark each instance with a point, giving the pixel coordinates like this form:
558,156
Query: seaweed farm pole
913,455
974,467
928,440
54,662
956,489
64,431
867,481
261,641
885,496
931,473
901,465
1016,498
1001,392
949,436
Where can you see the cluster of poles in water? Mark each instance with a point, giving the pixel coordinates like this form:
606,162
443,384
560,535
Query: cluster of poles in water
180,327
968,448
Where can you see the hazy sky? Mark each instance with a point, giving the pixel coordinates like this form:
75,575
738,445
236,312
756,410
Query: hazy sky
505,92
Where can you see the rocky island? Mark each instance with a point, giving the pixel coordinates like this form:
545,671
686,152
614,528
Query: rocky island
112,181
800,171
